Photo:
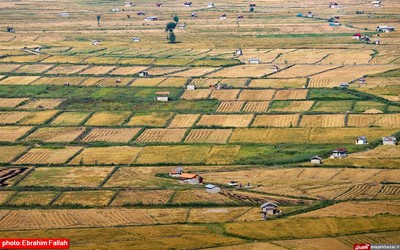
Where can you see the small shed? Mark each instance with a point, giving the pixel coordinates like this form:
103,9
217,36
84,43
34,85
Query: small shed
240,17
389,140
64,14
115,10
254,60
182,26
140,13
233,184
37,49
128,4
159,5
10,30
334,5
344,85
339,153
238,52
269,208
135,39
187,4
210,5
190,87
151,18
222,17
194,14
176,172
316,160
299,15
186,178
144,73
211,188
385,29
252,5
162,96
376,2
95,42
357,36
361,140
362,80
310,14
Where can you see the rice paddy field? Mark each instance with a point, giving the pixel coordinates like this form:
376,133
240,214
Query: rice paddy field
106,125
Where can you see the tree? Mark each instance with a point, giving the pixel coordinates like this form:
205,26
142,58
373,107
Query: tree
251,9
176,19
172,37
98,20
170,27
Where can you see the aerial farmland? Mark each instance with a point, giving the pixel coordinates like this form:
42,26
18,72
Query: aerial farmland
200,125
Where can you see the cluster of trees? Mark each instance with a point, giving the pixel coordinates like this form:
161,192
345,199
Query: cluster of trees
169,28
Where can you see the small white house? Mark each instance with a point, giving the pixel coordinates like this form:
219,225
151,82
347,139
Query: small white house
193,179
361,140
254,60
182,26
144,73
151,18
376,2
222,17
339,153
37,49
190,87
357,36
95,42
316,160
135,39
334,5
187,4
269,208
389,140
194,14
162,96
210,5
128,4
238,52
115,10
211,188
310,14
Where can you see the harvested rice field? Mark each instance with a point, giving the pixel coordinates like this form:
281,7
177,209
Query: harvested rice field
167,154
195,72
374,120
106,155
11,102
276,120
147,197
32,198
291,106
108,118
161,135
42,104
12,133
196,94
225,95
34,68
256,107
48,155
230,107
154,119
322,121
302,71
85,198
184,120
58,134
9,153
208,135
18,80
110,135
66,69
278,83
72,81
132,70
225,120
66,177
293,94
256,95
147,82
244,71
97,70
70,118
